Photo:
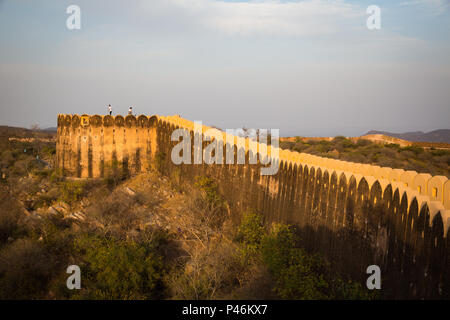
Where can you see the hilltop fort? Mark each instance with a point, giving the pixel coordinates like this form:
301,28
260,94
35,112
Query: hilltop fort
357,213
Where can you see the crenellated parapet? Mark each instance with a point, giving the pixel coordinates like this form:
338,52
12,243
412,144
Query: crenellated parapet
434,192
87,121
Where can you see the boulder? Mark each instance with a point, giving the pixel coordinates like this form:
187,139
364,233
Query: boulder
129,191
53,211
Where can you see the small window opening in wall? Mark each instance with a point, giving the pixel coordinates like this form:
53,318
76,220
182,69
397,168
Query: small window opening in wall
434,193
419,188
406,184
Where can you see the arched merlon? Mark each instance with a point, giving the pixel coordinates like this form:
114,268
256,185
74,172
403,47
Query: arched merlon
396,174
446,194
385,173
408,177
436,188
420,183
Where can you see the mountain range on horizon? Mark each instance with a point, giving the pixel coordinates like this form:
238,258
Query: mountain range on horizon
437,136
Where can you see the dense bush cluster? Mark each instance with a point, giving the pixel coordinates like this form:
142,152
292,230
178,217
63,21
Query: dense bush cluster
433,161
120,269
296,273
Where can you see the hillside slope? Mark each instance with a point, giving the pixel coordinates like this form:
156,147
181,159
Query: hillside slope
438,136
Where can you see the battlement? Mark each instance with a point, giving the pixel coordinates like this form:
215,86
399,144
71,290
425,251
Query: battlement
422,186
100,132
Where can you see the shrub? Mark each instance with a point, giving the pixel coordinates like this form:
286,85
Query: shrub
25,270
72,191
46,199
210,188
175,180
9,217
115,269
439,152
324,147
250,234
42,173
158,161
362,143
49,150
415,149
350,290
210,204
116,210
395,146
338,139
56,176
112,173
211,273
296,273
300,275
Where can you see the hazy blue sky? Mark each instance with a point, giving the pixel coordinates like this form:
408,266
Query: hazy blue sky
306,67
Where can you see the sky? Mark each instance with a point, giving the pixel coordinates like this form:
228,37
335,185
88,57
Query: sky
309,68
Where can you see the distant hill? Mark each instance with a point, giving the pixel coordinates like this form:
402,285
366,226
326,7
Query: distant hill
50,130
6,131
439,136
15,132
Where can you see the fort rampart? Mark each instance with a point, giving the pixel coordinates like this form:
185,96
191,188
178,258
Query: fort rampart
354,214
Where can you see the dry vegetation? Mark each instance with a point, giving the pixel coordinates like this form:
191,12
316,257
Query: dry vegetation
414,157
143,237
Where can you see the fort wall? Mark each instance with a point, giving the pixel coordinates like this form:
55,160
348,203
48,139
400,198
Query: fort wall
355,214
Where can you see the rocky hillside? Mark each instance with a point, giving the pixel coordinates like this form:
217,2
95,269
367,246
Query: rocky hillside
437,136
144,237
